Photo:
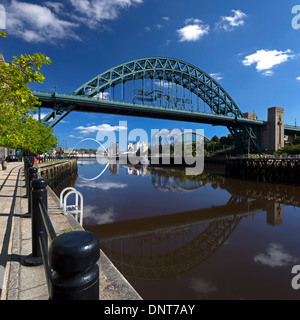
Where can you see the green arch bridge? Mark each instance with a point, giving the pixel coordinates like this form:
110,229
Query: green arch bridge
167,88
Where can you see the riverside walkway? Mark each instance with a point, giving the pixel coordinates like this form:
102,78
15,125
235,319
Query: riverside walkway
21,282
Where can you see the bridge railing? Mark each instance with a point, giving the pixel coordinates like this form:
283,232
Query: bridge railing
268,156
291,126
70,262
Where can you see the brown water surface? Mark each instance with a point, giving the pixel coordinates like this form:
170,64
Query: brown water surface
180,237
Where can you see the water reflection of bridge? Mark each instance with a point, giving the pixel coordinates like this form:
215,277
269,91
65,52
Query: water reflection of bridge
166,253
173,184
164,246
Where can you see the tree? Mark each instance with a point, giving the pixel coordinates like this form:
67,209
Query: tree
215,139
18,128
227,141
296,140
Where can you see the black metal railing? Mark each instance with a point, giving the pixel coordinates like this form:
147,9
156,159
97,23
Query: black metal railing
70,261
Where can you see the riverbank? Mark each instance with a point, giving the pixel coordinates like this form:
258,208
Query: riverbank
268,169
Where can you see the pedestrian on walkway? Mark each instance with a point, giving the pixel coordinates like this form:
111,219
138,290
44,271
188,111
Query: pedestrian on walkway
4,165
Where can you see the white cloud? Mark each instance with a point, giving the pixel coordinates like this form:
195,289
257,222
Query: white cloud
93,12
230,22
102,95
192,21
203,288
105,185
92,215
56,6
108,216
275,256
265,60
217,76
268,73
193,31
37,23
158,26
165,84
50,21
64,121
36,115
298,78
101,127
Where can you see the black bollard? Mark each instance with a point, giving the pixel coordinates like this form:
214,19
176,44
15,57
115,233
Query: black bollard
31,175
26,168
73,258
29,164
38,193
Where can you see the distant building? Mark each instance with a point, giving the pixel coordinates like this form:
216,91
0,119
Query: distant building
250,115
142,146
113,149
4,152
68,150
130,146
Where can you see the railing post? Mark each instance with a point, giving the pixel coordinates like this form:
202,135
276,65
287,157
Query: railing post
38,193
73,258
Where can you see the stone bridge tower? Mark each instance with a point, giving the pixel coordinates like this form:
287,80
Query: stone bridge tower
273,133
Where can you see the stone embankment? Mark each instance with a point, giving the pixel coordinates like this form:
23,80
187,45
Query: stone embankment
273,170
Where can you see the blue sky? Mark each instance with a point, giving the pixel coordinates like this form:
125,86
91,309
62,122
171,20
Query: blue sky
250,47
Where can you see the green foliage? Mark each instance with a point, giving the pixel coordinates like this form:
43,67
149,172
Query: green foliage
18,128
215,139
219,147
226,141
296,141
291,149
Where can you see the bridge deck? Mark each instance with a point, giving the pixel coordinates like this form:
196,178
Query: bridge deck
86,104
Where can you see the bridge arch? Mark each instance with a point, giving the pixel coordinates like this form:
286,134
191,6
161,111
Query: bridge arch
168,253
168,71
148,87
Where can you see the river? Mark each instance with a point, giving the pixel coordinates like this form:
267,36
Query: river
177,237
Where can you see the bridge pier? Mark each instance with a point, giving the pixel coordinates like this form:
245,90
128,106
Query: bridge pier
273,132
274,213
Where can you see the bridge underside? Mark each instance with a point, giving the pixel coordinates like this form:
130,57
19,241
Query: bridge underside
110,107
61,105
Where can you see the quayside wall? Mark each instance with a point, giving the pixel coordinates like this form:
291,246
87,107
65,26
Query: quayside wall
273,170
58,173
